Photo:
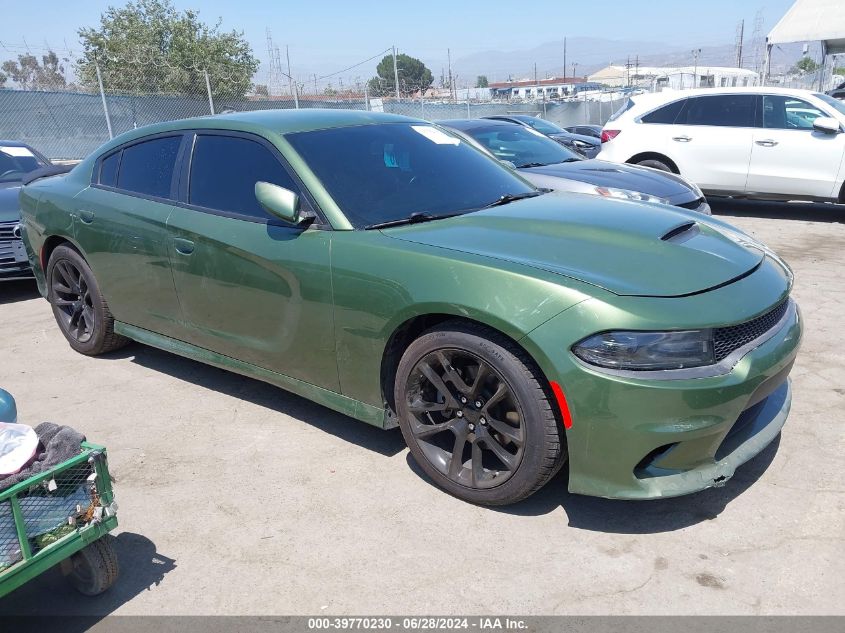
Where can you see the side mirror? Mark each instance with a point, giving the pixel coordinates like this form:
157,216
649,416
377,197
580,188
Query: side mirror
826,125
278,201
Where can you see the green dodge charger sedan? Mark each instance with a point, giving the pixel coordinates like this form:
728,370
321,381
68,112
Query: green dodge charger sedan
382,267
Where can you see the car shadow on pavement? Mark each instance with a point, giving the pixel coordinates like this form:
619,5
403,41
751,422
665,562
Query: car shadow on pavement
387,443
804,211
50,594
635,517
13,291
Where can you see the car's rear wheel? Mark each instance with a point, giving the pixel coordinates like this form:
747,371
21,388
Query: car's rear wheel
78,306
475,415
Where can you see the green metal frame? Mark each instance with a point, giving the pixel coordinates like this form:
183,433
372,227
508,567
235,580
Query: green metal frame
33,565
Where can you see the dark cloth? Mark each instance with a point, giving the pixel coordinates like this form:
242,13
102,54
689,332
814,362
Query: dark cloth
56,444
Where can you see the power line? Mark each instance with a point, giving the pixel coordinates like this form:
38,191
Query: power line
387,50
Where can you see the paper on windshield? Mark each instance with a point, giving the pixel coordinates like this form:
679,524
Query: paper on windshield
16,151
433,134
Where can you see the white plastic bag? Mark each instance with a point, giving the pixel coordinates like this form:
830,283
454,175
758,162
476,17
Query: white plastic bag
18,443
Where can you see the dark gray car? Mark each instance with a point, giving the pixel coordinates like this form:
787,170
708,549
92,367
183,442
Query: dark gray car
549,165
17,160
588,146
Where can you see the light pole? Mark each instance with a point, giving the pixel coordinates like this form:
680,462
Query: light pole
695,53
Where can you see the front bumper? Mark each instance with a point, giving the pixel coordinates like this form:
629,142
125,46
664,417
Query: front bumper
645,438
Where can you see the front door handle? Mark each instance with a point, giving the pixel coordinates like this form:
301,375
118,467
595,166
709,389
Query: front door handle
682,139
185,247
86,216
767,142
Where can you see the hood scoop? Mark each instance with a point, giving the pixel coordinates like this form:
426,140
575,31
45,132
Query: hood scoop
681,233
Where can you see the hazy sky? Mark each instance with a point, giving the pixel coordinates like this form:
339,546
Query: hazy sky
328,35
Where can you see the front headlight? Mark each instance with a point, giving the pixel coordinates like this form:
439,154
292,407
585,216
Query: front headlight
627,194
643,351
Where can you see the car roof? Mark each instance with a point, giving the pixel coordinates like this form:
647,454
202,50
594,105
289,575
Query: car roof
471,124
285,121
673,95
14,144
515,117
308,119
261,122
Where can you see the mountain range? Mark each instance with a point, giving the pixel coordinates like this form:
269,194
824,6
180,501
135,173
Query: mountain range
591,54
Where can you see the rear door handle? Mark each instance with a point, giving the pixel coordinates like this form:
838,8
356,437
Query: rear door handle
185,247
767,142
682,139
87,217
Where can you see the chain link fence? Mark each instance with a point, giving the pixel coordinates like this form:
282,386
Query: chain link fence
67,121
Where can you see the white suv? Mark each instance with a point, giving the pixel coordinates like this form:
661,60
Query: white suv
757,142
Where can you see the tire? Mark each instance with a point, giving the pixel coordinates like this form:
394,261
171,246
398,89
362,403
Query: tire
656,164
508,446
94,568
79,308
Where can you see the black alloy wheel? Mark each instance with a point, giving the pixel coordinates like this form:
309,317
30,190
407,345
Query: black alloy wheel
476,414
78,305
73,301
465,418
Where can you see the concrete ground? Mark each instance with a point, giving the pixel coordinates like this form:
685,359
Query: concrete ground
238,498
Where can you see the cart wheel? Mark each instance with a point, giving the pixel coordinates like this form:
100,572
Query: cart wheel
94,568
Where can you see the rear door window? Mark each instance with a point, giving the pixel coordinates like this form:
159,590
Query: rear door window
667,114
147,167
732,110
224,170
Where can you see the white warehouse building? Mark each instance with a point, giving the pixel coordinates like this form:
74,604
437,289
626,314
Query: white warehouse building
676,78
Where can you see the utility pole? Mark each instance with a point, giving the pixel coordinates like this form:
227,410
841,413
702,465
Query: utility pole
536,85
695,53
564,59
396,74
291,82
451,84
315,84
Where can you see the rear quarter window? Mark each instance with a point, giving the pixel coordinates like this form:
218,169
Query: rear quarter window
627,105
108,170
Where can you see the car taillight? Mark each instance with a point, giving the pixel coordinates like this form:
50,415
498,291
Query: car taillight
609,135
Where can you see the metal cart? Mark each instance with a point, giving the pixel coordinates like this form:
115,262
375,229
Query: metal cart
61,516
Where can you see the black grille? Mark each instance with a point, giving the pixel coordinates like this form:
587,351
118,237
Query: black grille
728,339
7,230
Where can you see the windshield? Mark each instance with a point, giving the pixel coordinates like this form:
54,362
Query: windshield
16,162
522,146
838,105
387,172
543,126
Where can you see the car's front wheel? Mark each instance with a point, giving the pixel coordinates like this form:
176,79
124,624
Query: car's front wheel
476,416
78,306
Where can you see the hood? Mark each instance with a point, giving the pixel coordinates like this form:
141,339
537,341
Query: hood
627,248
9,205
604,174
